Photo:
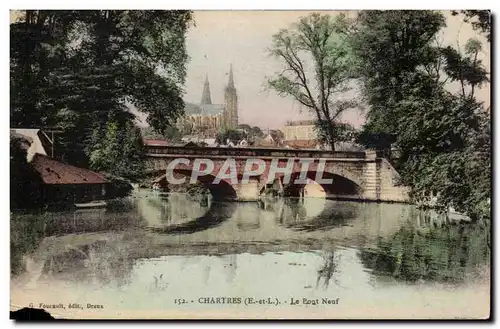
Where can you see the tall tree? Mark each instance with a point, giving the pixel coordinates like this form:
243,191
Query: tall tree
315,41
389,47
479,19
442,136
77,69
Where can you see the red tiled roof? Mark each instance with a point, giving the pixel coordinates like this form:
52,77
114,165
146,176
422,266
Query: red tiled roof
56,172
155,142
301,143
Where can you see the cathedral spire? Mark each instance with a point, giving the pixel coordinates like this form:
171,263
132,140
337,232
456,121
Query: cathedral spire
205,97
231,98
230,83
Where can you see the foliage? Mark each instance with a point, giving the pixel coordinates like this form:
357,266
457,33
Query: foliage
27,231
171,134
75,70
118,150
316,39
389,46
442,254
441,136
277,135
343,132
234,136
118,188
480,20
25,182
253,133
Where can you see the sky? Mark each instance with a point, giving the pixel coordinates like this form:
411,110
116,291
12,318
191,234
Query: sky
241,38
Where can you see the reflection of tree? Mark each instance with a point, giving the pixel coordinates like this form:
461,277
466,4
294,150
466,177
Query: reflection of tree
247,217
293,214
97,262
26,233
328,269
445,253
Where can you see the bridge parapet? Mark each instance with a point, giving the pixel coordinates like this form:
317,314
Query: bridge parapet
250,152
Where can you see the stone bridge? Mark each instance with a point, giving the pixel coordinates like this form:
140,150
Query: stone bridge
350,175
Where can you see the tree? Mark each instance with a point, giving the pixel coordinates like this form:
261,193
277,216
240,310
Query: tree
480,20
277,135
234,136
344,132
315,39
25,182
389,46
252,133
119,151
173,134
76,70
441,136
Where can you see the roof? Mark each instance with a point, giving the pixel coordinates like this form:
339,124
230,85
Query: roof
300,123
56,172
211,109
264,143
301,143
155,142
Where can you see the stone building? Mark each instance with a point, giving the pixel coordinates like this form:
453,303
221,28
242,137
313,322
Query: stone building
207,119
300,130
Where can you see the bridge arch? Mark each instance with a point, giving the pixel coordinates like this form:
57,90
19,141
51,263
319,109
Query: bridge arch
344,184
221,191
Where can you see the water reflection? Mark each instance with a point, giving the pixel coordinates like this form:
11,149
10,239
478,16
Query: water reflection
325,273
297,214
431,250
158,244
97,263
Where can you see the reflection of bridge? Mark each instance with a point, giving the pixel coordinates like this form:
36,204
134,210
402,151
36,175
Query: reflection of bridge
353,175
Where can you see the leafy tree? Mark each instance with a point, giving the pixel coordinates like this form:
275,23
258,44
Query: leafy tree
234,136
441,136
76,70
344,132
277,135
119,150
389,47
25,182
173,134
480,20
436,254
252,133
257,132
315,39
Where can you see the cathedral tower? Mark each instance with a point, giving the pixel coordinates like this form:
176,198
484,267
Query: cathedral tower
231,103
205,97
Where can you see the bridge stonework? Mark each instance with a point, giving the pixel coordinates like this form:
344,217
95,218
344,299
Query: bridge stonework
356,175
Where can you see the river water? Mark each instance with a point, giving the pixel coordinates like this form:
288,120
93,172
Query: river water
158,255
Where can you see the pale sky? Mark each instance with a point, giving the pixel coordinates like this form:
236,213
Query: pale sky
242,37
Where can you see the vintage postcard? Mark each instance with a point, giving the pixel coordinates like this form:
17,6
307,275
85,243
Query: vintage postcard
177,164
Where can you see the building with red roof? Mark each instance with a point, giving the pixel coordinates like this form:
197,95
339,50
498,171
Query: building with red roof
64,183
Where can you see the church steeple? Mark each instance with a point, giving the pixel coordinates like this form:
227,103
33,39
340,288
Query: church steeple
230,83
231,100
205,97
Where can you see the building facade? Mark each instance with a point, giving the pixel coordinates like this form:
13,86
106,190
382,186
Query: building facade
207,119
300,130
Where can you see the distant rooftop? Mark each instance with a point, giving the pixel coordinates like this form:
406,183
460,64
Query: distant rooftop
204,109
300,123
